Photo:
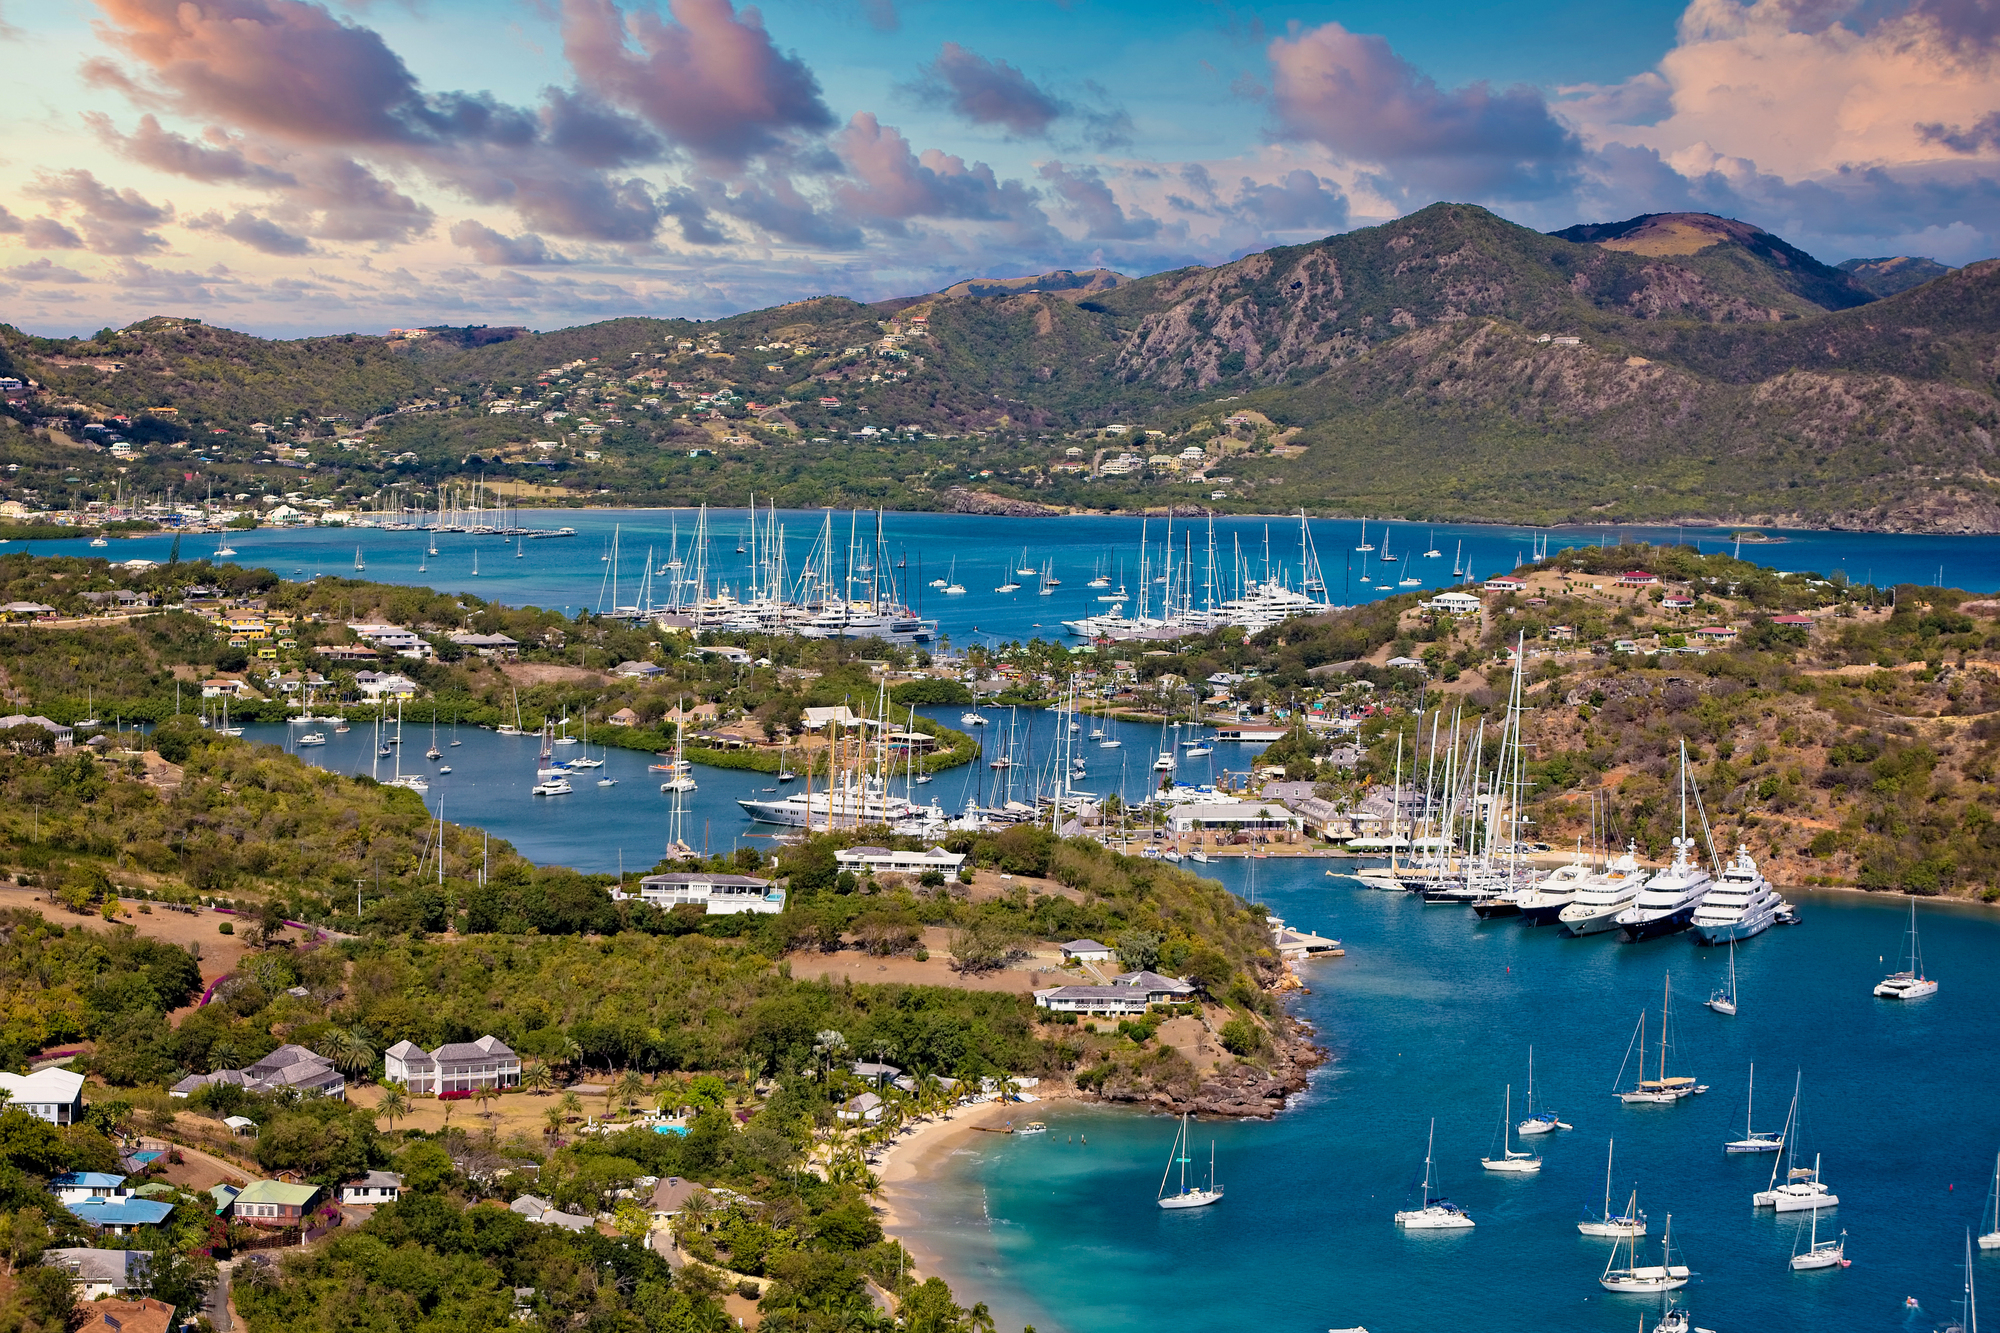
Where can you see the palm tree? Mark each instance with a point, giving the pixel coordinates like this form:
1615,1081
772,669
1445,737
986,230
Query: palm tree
570,1105
667,1096
630,1088
350,1049
552,1122
393,1104
485,1094
536,1076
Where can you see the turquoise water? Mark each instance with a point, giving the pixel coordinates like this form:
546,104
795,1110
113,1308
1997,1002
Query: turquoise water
1431,1014
571,573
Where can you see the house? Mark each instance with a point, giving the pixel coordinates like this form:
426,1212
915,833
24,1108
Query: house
376,1187
1296,944
77,1186
866,1109
120,1216
1794,622
458,1066
717,895
64,736
385,685
488,645
54,1095
271,1203
670,1196
101,1273
289,1066
884,861
1716,634
636,670
1506,585
1455,603
544,1212
728,653
624,717
1157,989
874,1071
1094,1000
1637,578
1231,816
224,1196
29,609
392,637
1674,602
145,1315
1086,951
818,718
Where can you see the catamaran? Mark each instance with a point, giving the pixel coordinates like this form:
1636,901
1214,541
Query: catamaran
1803,1190
1910,983
1754,1140
1517,1163
1631,1222
1436,1214
1186,1197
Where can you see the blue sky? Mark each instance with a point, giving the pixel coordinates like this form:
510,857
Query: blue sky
293,166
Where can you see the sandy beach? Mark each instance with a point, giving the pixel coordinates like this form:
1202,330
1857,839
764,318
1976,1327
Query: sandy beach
918,1156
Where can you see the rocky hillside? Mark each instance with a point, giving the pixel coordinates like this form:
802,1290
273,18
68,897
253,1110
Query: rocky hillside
1886,277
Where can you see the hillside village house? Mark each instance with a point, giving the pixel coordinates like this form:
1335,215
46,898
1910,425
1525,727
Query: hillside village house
1086,951
290,1066
1128,993
64,736
385,685
54,1095
145,1315
77,1186
458,1066
885,861
272,1203
99,1274
376,1187
1455,603
716,895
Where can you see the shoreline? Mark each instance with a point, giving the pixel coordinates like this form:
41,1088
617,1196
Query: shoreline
913,1161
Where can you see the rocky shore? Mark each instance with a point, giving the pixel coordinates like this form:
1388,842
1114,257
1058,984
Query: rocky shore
1250,1089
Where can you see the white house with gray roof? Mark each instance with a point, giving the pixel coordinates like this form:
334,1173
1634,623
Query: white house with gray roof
716,895
457,1066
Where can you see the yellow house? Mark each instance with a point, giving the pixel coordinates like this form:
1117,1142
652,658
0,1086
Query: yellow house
267,654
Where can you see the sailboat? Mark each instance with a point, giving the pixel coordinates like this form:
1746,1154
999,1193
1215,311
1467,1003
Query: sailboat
358,565
1024,569
1538,1122
681,775
1754,1140
1911,983
1990,1240
1631,1222
1364,547
1385,557
1662,1090
1456,559
1436,1214
1516,1163
475,562
223,550
1724,1000
1821,1253
434,754
1185,1197
1802,1189
952,587
1434,553
1645,1279
1968,1320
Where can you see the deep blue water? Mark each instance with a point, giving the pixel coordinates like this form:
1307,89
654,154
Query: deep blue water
1430,1014
570,573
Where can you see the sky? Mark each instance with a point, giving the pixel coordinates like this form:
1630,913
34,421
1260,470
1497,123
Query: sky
293,167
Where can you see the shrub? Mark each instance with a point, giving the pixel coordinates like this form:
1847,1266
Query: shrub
1240,1036
225,928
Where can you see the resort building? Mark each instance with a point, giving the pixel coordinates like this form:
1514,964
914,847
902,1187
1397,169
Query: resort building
1156,988
865,1109
884,861
54,1095
458,1066
1231,817
716,895
1455,603
1093,1000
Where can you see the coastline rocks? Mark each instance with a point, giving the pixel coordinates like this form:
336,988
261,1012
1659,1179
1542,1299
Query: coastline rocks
1240,1090
959,500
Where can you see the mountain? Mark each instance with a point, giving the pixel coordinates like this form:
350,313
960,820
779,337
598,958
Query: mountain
1886,277
1449,364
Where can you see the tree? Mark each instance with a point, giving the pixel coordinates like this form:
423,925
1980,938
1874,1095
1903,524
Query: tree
552,1122
1139,950
485,1094
536,1077
631,1221
570,1105
394,1104
630,1088
350,1049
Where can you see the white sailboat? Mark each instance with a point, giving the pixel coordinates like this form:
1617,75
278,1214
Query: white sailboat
1754,1140
1662,1090
1509,1161
1543,1121
1631,1222
1990,1240
1821,1253
1911,983
1803,1190
1437,1213
1724,1001
952,587
1645,1279
358,565
1184,1197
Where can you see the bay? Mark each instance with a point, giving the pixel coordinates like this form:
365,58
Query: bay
571,573
1431,1014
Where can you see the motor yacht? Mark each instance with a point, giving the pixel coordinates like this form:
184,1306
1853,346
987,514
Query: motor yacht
1602,896
1542,903
1668,901
556,788
1740,906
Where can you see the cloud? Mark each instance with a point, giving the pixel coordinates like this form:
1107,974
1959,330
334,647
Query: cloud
989,92
1089,199
492,247
1983,134
1355,95
48,234
890,182
178,155
711,80
259,234
42,270
1297,201
340,199
9,224
115,221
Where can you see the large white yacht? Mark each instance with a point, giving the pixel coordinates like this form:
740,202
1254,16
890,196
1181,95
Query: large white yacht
1741,905
1544,902
1668,901
849,805
1602,896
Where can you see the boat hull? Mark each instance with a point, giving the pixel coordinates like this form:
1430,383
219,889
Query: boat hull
1191,1199
1433,1219
1653,927
1591,923
1491,909
1805,1203
1516,1166
1748,928
1613,1230
1541,914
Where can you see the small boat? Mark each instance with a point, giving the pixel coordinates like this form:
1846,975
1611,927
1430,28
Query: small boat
555,787
1437,1213
1754,1140
1724,1000
1198,856
312,738
444,768
1008,587
1647,1278
1911,983
358,565
1033,1127
99,541
1186,1197
410,782
1631,1222
1364,547
1821,1253
1024,569
972,720
1109,743
1509,1161
607,782
1538,1122
1196,752
1661,1091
